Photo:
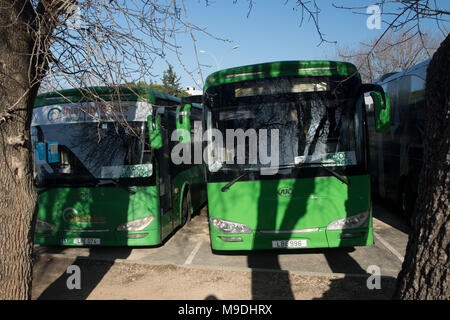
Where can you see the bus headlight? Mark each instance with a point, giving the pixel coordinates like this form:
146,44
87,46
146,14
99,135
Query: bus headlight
136,225
229,227
44,226
351,222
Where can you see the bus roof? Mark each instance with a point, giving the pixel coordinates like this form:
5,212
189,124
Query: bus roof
281,68
394,75
86,94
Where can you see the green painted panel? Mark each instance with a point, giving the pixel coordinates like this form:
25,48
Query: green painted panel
294,204
289,204
96,213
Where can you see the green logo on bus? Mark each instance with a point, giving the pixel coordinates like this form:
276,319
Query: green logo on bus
54,114
285,192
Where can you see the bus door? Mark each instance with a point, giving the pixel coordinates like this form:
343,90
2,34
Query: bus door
165,183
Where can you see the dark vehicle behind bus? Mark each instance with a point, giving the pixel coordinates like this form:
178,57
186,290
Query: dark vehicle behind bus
396,156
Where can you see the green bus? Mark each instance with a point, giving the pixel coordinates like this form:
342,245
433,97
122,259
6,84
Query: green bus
103,169
308,118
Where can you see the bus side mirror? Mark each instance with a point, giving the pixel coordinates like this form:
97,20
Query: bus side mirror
183,123
381,106
154,131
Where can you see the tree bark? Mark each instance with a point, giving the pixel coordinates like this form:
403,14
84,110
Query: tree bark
425,272
17,192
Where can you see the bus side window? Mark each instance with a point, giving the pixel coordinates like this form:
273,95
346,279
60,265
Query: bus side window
417,93
417,104
393,96
404,88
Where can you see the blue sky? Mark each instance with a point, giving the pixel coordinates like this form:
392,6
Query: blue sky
271,32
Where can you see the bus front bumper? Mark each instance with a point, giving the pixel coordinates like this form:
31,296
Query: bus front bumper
320,238
143,238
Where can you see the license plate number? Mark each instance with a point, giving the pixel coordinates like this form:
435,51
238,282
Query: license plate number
289,243
86,241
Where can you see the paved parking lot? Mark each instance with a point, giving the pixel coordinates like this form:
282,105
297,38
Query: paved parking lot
190,247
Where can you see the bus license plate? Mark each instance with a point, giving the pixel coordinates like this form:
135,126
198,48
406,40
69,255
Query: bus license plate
86,241
289,243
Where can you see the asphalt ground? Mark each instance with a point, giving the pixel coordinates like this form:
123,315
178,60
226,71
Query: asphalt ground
189,249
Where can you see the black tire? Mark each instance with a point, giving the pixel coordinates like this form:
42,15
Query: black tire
186,208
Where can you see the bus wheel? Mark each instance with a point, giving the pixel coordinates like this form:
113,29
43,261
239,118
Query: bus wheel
186,208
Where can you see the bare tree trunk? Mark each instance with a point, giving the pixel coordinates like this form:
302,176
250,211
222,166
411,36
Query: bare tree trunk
17,192
28,29
425,272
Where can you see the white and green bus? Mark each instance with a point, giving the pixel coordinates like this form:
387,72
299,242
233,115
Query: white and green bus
103,169
293,172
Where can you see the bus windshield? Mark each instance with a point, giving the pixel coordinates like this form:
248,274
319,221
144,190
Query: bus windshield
87,152
317,119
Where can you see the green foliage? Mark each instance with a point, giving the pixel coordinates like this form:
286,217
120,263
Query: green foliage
171,84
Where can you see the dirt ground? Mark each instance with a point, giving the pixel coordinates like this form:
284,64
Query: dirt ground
122,280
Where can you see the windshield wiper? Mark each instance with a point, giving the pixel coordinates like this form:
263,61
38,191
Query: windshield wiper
334,173
326,168
229,184
116,183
